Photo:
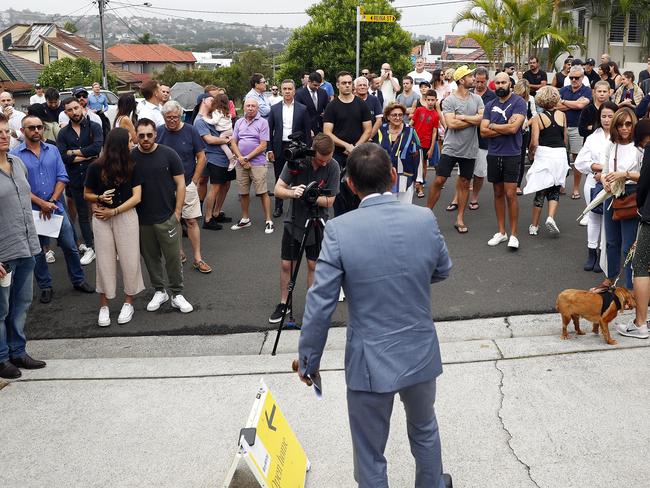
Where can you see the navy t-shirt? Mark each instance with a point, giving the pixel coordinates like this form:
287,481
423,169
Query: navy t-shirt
500,113
213,152
567,93
488,96
186,142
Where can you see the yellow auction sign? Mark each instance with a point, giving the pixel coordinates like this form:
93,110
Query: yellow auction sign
270,447
377,18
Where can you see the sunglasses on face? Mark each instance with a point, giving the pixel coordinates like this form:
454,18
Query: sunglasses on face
81,95
148,135
627,124
575,77
33,127
365,73
396,114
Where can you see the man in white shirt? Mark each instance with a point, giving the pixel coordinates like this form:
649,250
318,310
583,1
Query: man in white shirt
14,117
419,74
150,107
81,94
39,96
275,97
389,84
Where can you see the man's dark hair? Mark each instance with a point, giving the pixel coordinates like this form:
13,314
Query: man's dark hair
369,168
342,73
148,88
315,76
533,58
629,75
323,144
51,94
68,100
3,118
641,131
431,93
255,79
36,110
144,122
508,65
407,77
209,88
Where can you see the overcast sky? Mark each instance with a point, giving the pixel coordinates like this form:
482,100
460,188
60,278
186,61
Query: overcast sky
437,18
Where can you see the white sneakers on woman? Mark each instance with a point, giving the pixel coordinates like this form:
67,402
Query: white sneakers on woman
126,314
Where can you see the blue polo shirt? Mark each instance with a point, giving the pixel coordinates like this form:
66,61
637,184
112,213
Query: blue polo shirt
327,86
44,171
567,93
213,152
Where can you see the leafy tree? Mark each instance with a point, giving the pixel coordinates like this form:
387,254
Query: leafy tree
145,39
327,41
70,27
67,73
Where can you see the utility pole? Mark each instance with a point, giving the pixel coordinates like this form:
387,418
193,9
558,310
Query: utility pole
102,6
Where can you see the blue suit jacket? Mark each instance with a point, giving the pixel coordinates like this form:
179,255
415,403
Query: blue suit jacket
391,339
315,114
300,123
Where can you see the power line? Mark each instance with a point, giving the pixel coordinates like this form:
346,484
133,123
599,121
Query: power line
68,16
433,23
136,34
220,12
447,2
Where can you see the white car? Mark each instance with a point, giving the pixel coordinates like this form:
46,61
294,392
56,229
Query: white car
110,96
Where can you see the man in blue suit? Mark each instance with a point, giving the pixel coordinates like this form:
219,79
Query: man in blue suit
315,99
284,119
392,345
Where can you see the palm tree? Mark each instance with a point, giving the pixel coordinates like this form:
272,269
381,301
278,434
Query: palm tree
490,29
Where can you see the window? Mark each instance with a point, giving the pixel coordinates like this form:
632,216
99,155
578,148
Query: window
53,54
618,26
6,42
581,21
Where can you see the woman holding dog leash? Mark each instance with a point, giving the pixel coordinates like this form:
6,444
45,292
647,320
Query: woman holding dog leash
621,161
641,259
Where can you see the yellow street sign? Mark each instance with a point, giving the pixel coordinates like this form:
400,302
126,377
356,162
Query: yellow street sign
377,18
270,447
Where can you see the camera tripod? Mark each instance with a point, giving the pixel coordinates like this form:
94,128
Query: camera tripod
314,224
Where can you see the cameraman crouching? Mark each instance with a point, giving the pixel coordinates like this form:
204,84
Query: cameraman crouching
324,170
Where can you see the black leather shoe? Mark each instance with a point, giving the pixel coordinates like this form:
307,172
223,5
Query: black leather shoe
277,212
46,295
84,287
27,362
446,478
222,219
212,225
9,371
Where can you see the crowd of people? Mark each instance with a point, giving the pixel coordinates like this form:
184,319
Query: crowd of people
132,188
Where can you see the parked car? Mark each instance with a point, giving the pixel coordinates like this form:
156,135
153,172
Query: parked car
110,96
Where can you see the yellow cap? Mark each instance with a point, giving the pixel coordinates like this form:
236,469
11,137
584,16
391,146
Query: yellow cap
461,72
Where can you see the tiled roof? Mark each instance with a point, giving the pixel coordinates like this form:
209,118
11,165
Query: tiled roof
475,55
152,53
31,39
78,46
460,42
20,69
15,86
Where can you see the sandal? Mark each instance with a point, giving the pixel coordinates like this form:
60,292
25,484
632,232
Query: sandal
461,228
183,258
451,207
420,193
575,196
473,205
202,267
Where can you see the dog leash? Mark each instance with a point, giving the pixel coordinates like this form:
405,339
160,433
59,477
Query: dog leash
628,258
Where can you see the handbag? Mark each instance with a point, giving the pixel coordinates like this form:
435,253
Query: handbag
624,206
594,192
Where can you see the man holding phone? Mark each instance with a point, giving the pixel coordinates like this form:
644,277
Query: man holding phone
389,84
18,246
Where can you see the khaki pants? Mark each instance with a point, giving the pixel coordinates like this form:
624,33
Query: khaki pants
115,237
158,242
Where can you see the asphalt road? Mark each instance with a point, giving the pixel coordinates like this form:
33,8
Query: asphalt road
242,291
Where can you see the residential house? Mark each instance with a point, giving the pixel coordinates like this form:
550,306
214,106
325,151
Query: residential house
145,59
45,43
208,60
18,76
430,58
458,50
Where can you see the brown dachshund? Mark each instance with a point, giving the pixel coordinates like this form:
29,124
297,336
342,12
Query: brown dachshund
598,308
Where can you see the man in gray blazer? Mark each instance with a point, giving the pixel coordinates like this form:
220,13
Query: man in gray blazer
392,346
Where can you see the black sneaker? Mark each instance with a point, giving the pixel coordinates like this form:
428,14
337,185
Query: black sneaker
84,287
222,219
212,225
276,316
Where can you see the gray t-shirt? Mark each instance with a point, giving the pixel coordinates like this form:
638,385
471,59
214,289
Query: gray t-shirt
408,101
461,143
327,177
19,238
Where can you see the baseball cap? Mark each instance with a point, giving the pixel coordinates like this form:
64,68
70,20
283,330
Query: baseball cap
461,72
577,62
37,85
202,97
78,90
591,61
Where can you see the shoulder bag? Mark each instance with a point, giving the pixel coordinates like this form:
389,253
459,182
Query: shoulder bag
624,207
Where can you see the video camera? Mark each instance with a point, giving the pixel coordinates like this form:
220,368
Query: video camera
297,154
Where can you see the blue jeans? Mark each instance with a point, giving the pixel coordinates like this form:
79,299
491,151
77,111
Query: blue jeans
14,302
619,235
68,244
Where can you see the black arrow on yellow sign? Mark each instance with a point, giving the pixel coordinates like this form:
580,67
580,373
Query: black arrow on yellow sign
269,421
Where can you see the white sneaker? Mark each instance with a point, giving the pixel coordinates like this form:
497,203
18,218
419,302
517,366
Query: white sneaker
180,303
126,314
551,226
497,239
82,248
104,319
513,243
533,230
158,299
268,228
584,220
50,257
88,257
242,224
631,330
341,295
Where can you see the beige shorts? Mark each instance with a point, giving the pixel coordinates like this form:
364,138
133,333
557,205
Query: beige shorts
255,175
575,140
480,166
192,204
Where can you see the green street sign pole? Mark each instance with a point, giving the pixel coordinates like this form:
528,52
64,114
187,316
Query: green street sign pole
358,39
